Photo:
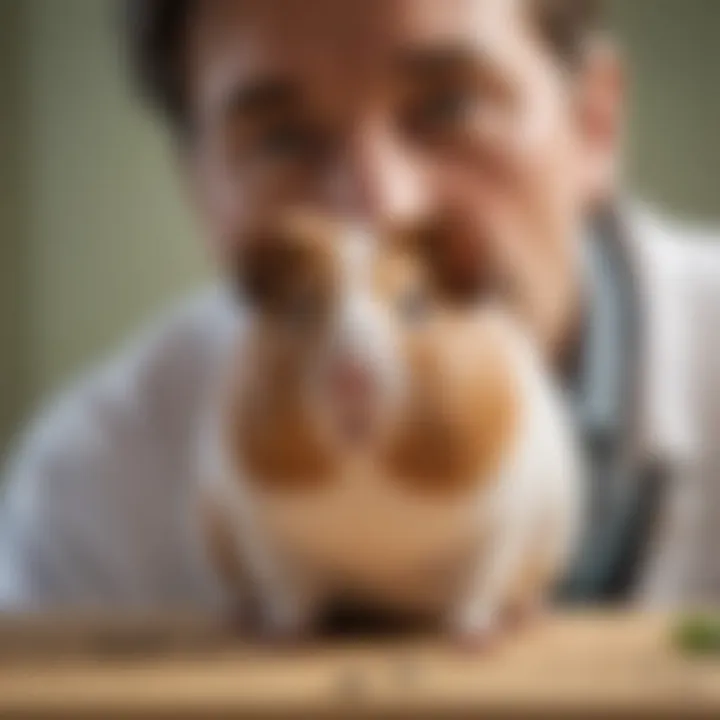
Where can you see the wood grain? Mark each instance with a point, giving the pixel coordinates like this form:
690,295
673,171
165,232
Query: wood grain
570,666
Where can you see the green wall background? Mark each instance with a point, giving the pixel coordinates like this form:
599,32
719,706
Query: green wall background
13,381
93,231
673,59
8,221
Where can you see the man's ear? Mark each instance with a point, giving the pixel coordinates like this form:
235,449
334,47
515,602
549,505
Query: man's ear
600,104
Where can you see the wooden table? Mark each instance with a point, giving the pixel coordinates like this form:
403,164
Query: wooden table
578,665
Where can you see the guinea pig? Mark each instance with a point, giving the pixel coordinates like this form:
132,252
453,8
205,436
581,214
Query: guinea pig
373,440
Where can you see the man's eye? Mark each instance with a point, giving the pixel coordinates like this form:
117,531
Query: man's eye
442,111
287,143
413,306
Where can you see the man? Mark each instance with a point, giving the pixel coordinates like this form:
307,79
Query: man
503,116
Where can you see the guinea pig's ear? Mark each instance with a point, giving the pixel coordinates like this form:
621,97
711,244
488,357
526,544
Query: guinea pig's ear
450,255
288,255
264,268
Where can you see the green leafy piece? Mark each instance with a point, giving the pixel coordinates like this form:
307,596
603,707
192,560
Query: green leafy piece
698,635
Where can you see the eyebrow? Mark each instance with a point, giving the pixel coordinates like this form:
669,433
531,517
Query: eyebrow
424,62
261,96
422,67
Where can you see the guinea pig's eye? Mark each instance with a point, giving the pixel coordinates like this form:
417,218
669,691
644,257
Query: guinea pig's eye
414,305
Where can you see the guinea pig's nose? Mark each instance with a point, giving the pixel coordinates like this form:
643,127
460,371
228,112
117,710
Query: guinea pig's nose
351,379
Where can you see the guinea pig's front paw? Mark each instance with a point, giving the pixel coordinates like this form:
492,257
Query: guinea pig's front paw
526,614
285,619
476,628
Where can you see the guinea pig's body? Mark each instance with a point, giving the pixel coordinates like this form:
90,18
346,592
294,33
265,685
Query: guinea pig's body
446,486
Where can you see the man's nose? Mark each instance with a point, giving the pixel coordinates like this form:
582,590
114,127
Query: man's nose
374,178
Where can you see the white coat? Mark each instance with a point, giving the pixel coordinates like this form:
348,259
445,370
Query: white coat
95,511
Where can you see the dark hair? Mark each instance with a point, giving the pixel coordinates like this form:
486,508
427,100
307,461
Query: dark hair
155,34
567,24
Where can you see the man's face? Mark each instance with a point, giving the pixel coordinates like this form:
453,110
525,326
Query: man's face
397,112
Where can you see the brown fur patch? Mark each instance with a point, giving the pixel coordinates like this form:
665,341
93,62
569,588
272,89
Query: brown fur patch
289,269
290,263
459,268
464,411
269,432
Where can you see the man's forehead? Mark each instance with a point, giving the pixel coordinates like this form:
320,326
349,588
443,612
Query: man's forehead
338,21
340,37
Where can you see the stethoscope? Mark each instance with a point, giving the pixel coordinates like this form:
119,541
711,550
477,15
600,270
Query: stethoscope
623,496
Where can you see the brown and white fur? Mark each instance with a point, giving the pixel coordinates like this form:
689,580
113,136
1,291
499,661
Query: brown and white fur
372,440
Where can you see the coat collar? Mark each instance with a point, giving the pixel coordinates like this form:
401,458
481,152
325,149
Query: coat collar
664,423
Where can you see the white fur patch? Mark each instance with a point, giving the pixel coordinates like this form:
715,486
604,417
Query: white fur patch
358,248
362,331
